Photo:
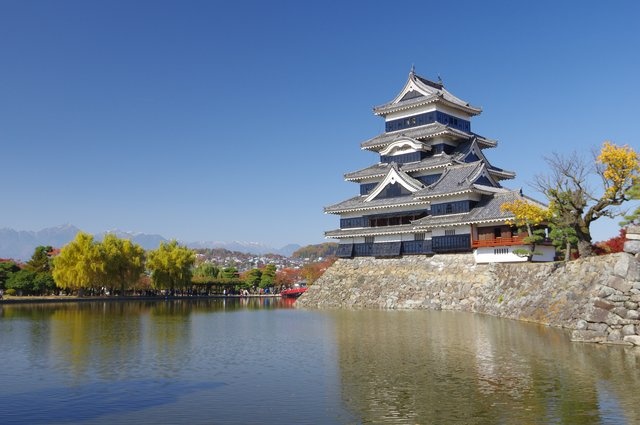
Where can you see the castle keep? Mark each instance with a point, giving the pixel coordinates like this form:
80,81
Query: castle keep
433,189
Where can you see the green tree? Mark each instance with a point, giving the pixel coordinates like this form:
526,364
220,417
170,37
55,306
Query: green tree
634,216
207,270
171,265
7,268
252,277
21,281
40,260
229,273
268,277
123,261
80,264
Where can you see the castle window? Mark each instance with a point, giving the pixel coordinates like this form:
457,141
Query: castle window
369,239
418,237
450,232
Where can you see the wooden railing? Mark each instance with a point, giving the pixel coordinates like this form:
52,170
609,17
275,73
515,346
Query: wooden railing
504,241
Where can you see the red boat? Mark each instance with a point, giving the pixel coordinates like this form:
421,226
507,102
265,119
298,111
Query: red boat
294,292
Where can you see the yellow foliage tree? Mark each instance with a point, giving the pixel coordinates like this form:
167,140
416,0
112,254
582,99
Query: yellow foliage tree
574,204
527,215
171,265
79,264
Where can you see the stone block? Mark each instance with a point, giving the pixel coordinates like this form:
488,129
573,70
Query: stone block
628,330
633,232
634,339
620,311
632,246
619,283
591,336
618,298
605,291
596,314
632,315
614,335
603,304
630,305
598,327
582,325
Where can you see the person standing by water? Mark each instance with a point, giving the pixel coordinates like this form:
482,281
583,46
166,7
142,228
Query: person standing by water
1,293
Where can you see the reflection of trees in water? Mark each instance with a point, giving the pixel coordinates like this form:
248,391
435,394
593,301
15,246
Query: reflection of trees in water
444,367
99,338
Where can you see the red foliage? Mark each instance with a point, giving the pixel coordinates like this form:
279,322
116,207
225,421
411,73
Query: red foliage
612,245
288,276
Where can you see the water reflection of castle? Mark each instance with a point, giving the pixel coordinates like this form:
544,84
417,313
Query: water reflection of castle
450,367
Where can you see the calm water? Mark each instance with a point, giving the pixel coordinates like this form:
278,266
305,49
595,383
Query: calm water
260,361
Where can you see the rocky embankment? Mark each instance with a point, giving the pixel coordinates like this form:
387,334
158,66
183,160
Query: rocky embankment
597,297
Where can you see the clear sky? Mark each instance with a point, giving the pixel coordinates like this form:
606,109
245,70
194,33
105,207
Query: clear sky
205,120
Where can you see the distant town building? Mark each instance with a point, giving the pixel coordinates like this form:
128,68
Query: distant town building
433,190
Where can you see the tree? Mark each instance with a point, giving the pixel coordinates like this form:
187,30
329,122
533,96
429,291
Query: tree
7,268
574,202
268,277
252,277
207,270
40,260
79,264
123,261
615,244
21,281
528,215
633,217
170,265
229,273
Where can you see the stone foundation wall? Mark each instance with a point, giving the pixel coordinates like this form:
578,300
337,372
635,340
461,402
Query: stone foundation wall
597,297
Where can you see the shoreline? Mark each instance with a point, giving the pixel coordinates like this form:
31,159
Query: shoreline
71,299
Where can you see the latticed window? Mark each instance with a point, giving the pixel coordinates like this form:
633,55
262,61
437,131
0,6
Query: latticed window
369,239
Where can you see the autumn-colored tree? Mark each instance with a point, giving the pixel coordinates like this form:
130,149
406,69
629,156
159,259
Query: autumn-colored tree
312,272
566,187
123,261
170,265
612,245
288,276
80,263
528,215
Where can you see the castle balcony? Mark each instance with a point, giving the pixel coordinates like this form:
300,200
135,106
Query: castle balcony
499,241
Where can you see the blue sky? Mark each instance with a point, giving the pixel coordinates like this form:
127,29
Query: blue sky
204,120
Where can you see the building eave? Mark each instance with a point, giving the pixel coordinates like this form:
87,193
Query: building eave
376,207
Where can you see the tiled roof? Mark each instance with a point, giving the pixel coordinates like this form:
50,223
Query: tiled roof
370,231
358,203
488,210
421,132
455,179
432,92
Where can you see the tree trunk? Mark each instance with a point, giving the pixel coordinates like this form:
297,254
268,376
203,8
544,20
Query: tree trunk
567,253
584,248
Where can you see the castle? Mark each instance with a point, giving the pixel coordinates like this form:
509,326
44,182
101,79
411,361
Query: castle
433,190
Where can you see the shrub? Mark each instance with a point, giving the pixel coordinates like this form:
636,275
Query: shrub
11,292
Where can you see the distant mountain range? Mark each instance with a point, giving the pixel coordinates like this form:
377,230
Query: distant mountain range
20,244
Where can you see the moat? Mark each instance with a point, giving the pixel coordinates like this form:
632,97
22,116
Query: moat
261,361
